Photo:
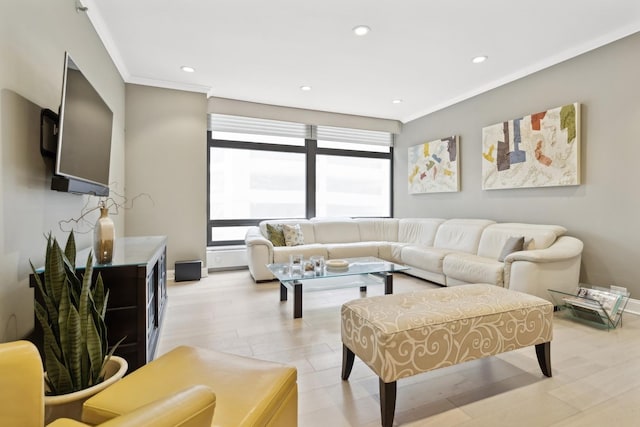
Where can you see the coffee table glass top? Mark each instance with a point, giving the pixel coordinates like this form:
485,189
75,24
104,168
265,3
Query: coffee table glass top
357,266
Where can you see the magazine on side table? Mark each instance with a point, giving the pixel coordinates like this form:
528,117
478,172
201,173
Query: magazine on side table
598,305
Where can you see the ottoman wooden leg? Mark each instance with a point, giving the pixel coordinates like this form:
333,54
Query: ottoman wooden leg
387,402
347,362
543,351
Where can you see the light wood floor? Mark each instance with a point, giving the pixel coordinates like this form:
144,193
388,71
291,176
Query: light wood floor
596,374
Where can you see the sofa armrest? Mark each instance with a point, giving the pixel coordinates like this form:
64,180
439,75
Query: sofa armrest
254,237
66,422
556,267
259,254
564,248
192,407
21,384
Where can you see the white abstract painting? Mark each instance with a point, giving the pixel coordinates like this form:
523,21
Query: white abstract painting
433,166
538,150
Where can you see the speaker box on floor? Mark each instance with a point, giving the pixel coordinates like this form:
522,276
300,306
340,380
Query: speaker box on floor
188,270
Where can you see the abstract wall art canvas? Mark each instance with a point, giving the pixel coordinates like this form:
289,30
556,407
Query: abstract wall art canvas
539,150
433,166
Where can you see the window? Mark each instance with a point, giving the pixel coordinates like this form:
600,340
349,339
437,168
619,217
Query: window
352,186
256,184
262,169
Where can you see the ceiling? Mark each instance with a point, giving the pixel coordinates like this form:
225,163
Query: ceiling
418,51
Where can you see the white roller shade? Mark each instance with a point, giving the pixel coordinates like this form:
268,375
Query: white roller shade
357,136
300,115
239,124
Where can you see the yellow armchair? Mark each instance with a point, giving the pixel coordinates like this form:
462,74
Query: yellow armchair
192,407
21,385
22,397
249,392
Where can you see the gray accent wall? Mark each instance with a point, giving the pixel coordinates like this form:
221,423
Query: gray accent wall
34,35
166,156
603,211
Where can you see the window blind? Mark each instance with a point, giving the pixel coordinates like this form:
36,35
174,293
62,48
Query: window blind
240,124
358,136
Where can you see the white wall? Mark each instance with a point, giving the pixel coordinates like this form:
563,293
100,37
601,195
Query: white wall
34,35
604,210
167,159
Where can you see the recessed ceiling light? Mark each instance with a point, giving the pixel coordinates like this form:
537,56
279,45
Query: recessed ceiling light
397,101
361,30
305,88
479,59
187,69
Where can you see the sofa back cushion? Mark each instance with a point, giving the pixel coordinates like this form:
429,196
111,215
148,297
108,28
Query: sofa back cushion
462,235
536,236
306,227
419,231
378,229
336,230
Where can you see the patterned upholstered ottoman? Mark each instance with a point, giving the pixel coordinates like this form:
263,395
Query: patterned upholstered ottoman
402,335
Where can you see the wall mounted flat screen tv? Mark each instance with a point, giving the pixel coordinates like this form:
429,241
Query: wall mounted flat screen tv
83,152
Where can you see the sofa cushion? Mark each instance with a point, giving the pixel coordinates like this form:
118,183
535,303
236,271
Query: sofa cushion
471,268
424,258
378,229
281,254
352,250
391,251
461,235
495,236
421,231
340,231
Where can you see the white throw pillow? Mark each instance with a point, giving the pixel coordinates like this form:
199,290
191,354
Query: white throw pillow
292,235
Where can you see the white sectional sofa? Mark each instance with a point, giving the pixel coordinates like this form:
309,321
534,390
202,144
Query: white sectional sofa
447,252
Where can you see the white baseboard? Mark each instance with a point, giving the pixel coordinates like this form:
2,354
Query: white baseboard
633,307
226,258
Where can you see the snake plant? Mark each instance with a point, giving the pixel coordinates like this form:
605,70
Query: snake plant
72,319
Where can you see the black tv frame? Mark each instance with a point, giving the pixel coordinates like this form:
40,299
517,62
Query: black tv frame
70,185
49,127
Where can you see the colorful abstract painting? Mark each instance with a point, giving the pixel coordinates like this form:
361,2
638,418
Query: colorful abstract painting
539,150
433,166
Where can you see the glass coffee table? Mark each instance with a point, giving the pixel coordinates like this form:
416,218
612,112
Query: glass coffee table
359,273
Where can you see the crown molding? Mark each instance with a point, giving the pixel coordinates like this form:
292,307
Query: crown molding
541,65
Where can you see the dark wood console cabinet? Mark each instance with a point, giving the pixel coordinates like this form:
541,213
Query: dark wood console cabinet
137,283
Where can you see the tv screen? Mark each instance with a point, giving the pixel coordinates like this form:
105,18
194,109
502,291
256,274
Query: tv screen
83,154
